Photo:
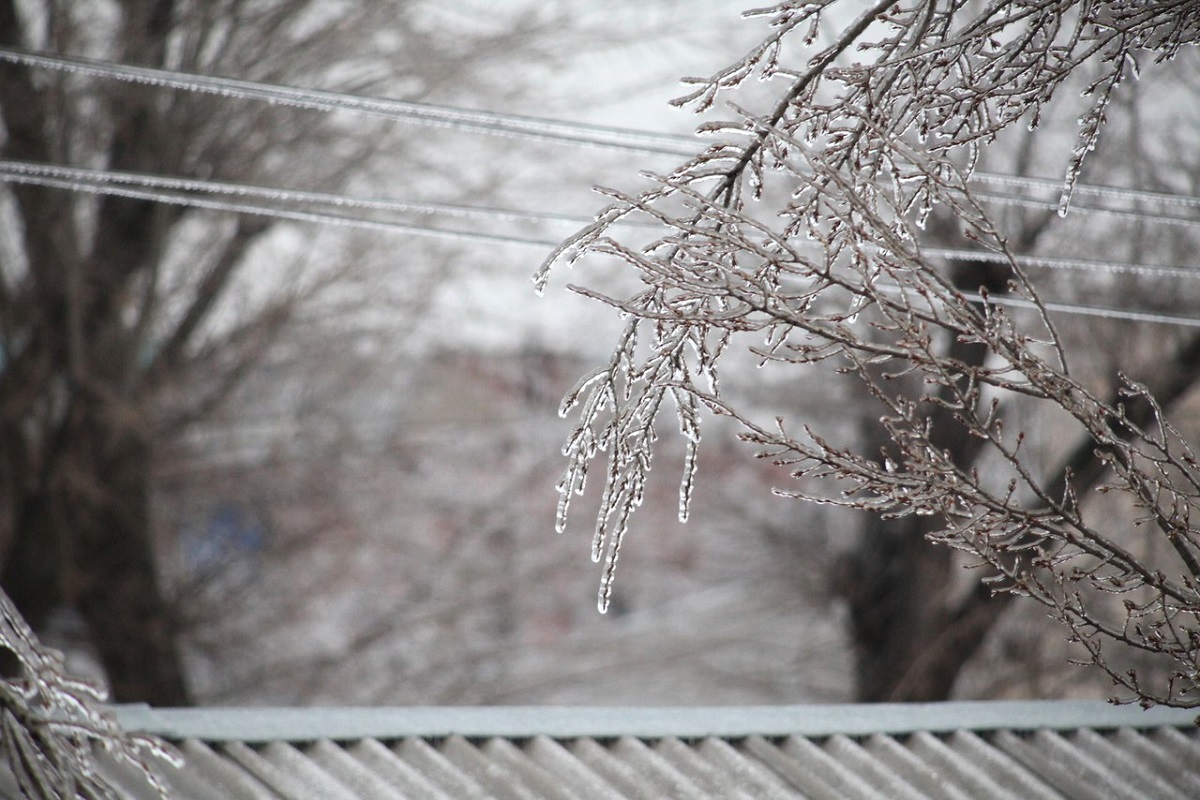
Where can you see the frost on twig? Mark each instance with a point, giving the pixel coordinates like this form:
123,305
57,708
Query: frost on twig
53,726
803,235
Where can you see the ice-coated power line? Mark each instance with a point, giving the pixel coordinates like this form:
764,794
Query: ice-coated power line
193,201
1080,264
1091,190
446,209
1124,314
271,194
1086,208
486,122
295,215
1127,315
167,189
82,175
534,128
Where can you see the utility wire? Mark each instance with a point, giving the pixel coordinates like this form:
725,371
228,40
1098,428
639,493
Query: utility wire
1088,311
296,215
34,171
486,122
1049,262
533,128
1086,208
95,180
475,236
290,195
1128,315
1108,192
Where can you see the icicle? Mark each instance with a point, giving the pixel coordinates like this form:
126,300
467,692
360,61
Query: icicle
1068,189
610,566
612,487
563,510
688,481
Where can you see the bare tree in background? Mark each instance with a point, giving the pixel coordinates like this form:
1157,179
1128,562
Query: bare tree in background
803,231
121,319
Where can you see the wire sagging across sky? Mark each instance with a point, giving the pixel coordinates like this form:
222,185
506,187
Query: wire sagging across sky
16,175
188,191
32,171
288,204
548,130
295,215
485,122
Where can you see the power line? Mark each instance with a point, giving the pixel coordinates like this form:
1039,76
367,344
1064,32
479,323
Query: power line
486,122
1085,208
167,189
94,180
1127,315
80,175
1108,192
273,194
1049,262
296,215
533,128
1088,311
476,236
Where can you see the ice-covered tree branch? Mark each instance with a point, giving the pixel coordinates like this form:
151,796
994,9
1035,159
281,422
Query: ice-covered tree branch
52,725
800,235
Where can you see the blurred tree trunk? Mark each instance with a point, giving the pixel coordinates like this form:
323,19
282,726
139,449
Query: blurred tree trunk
910,634
82,538
913,627
75,427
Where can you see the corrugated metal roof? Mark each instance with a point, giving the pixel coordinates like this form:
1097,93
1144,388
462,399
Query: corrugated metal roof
564,722
950,750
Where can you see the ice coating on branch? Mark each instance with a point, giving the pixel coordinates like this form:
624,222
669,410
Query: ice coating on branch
877,126
688,482
54,721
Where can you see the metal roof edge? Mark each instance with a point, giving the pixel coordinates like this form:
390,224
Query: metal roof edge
256,725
